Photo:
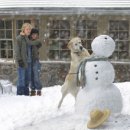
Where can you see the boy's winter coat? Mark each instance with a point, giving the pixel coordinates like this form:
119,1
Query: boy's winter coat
21,46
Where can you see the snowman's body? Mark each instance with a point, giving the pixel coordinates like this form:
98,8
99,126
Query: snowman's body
99,74
99,90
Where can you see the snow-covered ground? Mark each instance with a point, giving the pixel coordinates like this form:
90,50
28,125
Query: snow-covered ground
41,113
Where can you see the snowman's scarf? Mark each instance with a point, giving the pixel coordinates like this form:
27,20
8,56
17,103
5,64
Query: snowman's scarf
81,69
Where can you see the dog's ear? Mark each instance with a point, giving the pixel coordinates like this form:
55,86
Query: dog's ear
82,41
69,44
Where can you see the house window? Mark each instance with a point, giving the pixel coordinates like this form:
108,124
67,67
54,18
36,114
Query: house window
6,40
119,31
87,30
59,35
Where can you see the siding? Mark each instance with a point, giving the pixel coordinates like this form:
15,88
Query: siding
64,3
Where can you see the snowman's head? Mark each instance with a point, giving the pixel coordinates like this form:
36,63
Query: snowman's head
103,46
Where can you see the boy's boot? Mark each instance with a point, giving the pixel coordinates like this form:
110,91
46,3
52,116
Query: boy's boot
39,93
33,93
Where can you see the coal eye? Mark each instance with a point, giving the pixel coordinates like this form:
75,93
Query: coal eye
95,65
76,44
105,37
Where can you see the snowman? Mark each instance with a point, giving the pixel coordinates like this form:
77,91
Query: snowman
97,75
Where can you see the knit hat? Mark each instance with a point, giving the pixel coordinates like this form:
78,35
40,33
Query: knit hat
34,30
98,117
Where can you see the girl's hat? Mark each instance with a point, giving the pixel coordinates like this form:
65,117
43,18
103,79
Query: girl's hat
98,117
34,31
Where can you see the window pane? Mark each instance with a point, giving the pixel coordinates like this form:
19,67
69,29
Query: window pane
8,33
123,55
1,24
91,34
53,55
84,43
2,34
81,25
54,34
54,45
117,46
54,24
18,32
114,25
81,33
89,44
114,56
6,49
64,34
36,24
27,21
63,44
64,24
91,24
114,35
10,45
10,53
123,46
3,44
19,24
123,25
65,55
8,24
3,54
123,35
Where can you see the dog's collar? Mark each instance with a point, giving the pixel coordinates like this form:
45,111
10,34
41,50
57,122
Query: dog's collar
73,73
77,53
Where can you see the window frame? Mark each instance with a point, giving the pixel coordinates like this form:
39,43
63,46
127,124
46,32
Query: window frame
7,51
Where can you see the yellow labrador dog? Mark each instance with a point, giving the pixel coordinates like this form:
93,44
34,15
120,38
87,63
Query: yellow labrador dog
78,53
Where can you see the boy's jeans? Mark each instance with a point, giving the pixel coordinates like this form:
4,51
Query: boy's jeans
23,81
